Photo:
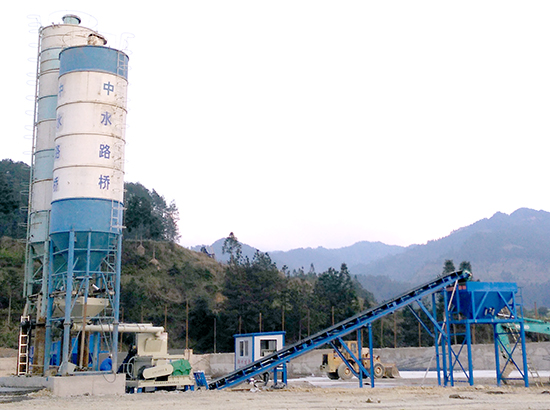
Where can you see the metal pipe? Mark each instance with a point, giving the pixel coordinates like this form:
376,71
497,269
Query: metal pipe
116,324
68,306
122,328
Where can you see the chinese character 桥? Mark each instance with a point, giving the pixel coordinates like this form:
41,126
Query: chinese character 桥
104,182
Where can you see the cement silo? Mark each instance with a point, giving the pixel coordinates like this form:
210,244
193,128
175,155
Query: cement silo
87,199
74,235
52,40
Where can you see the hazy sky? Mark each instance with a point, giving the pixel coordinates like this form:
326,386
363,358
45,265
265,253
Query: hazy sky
317,123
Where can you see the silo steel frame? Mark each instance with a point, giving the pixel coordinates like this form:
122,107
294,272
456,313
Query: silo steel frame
51,40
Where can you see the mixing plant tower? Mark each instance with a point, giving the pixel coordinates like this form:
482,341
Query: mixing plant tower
76,196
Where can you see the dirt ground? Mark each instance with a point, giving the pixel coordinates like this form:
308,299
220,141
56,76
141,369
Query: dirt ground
401,393
303,397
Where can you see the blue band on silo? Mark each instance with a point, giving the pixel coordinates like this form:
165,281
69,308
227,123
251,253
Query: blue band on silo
86,214
43,165
93,58
47,107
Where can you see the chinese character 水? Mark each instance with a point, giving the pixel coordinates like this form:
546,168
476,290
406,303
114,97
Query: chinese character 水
106,118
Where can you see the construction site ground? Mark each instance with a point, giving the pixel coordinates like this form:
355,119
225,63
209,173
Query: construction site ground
411,391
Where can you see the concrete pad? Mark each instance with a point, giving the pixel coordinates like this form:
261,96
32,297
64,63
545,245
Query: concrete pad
93,385
77,385
24,382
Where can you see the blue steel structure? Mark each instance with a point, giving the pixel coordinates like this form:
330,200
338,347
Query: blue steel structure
474,303
465,304
334,334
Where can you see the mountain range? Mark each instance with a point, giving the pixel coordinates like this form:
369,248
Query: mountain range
321,258
503,248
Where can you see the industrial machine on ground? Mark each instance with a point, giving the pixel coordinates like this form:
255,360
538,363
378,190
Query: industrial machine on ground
148,366
535,326
335,368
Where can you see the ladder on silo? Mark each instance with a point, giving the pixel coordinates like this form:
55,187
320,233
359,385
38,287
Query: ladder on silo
122,66
23,351
116,215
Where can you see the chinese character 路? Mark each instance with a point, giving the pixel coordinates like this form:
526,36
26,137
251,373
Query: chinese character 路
104,151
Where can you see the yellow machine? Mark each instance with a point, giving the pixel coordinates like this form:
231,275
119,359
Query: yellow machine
335,368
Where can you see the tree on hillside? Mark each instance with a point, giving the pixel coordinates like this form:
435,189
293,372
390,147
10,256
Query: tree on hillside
301,318
448,267
148,216
465,265
365,298
233,248
12,261
201,326
8,203
336,292
252,294
169,216
14,183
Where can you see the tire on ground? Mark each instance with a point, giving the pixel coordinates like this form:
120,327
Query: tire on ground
379,370
344,372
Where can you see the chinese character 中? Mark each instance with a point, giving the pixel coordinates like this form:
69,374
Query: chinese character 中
106,118
104,182
108,87
104,151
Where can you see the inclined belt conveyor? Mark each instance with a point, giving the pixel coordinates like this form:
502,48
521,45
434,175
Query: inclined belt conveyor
332,333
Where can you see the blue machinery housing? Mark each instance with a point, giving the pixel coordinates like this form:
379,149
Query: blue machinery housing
465,304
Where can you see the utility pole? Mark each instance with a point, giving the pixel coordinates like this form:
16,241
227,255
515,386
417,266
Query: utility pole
394,330
187,325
